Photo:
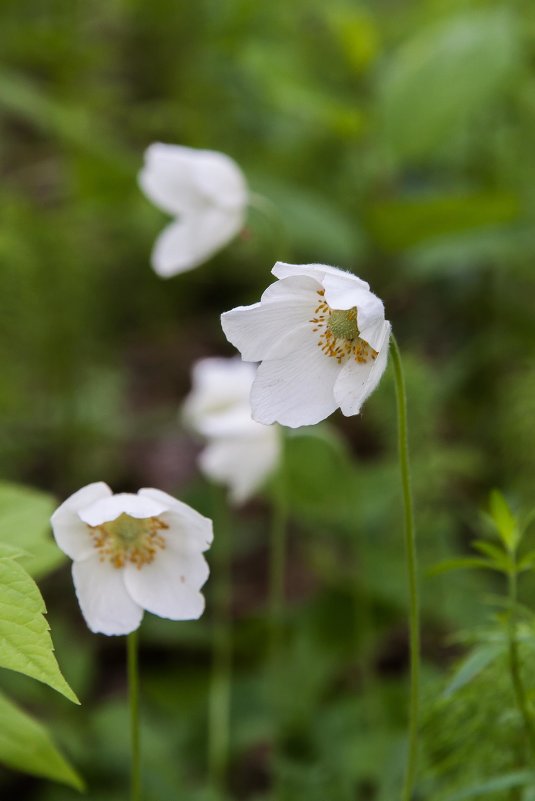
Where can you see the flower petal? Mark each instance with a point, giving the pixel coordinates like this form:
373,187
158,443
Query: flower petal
357,381
70,532
295,390
255,330
194,527
219,178
219,399
168,179
104,600
316,271
241,463
169,586
108,509
192,240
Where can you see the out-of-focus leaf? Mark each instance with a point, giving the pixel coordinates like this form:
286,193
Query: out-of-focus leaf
25,745
504,520
405,222
25,524
436,81
471,667
517,779
24,632
468,563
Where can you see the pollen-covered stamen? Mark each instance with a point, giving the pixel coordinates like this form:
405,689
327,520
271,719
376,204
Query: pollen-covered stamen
339,333
129,539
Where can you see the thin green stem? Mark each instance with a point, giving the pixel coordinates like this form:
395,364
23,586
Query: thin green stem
220,689
133,698
277,557
410,553
514,665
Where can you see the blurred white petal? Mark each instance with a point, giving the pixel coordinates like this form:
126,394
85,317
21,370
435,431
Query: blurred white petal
106,605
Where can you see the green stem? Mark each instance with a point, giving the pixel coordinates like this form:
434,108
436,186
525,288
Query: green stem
514,665
219,704
277,557
410,553
133,697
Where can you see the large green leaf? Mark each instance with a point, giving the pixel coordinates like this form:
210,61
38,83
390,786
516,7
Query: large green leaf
25,745
25,523
437,80
26,645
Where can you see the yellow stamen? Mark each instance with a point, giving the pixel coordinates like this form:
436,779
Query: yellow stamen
339,333
129,539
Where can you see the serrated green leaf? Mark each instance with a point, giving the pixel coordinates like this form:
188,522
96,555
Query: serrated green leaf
25,745
26,645
504,520
471,667
25,524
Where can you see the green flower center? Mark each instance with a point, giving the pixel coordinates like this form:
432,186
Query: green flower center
343,324
129,539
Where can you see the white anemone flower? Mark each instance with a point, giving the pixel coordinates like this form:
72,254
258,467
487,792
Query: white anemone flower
240,453
133,552
322,338
207,194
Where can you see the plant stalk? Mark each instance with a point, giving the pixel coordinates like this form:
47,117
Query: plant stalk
133,698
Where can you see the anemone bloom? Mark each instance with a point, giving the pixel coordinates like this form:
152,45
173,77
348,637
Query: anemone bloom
240,453
322,340
133,552
207,194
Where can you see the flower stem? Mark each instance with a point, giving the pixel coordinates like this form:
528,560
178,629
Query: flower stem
219,704
410,553
133,698
277,558
514,665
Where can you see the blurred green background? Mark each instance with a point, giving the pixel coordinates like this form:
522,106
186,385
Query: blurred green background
395,139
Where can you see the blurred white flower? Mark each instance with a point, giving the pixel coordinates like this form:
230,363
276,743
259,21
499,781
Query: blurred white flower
133,552
240,453
322,338
207,193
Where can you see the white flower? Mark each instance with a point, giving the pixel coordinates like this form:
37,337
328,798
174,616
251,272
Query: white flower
322,338
240,453
133,552
206,191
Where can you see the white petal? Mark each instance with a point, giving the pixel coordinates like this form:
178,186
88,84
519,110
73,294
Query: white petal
344,293
357,381
70,532
108,509
255,330
169,586
243,464
192,240
296,390
104,600
168,179
316,271
219,178
219,399
195,527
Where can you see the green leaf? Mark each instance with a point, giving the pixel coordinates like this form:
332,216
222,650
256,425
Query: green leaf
500,559
471,667
508,780
25,745
24,632
467,563
504,520
25,524
437,80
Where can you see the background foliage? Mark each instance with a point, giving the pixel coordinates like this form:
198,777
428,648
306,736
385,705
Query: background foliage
395,139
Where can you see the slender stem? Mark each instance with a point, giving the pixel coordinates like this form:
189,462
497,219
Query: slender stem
410,553
277,557
514,665
133,698
219,704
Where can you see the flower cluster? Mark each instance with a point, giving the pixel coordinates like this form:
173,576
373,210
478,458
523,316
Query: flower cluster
240,453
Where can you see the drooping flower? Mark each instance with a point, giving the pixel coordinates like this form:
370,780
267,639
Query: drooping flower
322,338
240,453
207,194
133,552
